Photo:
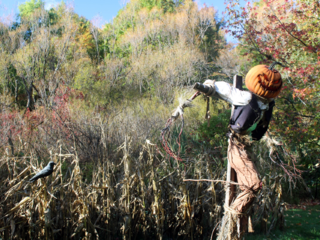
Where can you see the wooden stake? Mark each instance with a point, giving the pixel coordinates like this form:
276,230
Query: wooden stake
231,174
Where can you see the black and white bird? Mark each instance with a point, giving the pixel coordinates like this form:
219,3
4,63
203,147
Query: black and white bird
44,172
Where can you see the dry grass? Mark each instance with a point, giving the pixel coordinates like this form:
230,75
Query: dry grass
101,189
128,198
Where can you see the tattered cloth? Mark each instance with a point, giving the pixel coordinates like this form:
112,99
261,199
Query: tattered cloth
240,158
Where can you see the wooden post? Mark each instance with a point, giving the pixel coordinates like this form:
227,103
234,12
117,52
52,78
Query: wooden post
231,174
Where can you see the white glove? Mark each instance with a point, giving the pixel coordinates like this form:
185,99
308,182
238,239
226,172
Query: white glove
212,90
179,110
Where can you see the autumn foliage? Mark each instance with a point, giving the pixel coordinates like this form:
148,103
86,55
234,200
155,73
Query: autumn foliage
284,31
95,99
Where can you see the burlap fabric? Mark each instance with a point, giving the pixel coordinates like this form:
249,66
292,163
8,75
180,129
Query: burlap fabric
241,158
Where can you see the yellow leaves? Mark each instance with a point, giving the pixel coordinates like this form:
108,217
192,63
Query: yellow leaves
134,37
181,20
155,12
207,14
157,26
143,16
84,37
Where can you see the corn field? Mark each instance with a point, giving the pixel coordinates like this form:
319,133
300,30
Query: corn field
130,197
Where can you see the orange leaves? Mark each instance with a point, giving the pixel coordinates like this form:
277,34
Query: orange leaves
301,93
84,37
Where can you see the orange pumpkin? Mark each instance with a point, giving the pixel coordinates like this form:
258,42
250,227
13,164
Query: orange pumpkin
264,81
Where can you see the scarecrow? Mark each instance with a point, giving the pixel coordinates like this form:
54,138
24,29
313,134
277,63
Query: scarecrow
249,122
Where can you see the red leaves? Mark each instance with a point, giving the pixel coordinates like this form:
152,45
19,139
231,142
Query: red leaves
286,32
282,34
310,49
301,93
10,125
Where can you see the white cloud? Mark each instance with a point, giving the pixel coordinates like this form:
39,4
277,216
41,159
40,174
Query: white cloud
51,4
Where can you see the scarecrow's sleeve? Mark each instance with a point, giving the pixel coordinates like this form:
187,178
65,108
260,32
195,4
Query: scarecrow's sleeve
231,94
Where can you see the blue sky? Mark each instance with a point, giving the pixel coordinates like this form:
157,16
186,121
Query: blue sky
106,10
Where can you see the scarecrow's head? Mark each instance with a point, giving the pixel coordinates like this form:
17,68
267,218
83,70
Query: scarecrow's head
264,81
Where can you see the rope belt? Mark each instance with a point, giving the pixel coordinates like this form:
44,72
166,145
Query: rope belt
241,140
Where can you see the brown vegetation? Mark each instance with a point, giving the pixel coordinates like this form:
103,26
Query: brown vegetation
94,101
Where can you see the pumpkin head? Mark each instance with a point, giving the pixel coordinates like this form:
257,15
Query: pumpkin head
264,81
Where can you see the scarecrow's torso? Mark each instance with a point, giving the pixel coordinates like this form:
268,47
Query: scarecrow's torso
251,115
250,119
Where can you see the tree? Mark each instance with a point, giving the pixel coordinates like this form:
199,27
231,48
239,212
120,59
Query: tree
284,31
145,35
35,62
27,9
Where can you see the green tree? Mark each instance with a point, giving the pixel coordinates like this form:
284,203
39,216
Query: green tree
27,9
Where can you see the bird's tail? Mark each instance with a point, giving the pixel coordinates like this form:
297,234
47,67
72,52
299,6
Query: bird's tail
32,180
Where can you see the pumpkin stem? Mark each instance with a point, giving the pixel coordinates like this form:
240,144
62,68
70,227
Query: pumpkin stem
273,64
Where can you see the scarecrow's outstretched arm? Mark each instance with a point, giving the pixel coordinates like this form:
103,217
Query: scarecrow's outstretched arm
201,88
166,131
208,90
187,103
225,91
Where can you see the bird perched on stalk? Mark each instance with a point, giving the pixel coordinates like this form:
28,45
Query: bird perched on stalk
44,172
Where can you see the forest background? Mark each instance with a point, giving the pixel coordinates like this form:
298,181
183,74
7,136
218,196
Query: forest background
94,100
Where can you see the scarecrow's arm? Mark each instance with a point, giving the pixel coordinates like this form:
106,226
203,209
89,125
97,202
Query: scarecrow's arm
225,91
